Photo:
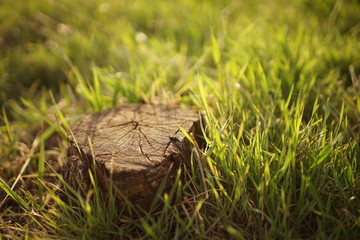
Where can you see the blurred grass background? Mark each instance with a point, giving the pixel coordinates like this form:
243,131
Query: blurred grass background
42,40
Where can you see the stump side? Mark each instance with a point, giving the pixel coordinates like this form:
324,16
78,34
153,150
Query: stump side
136,145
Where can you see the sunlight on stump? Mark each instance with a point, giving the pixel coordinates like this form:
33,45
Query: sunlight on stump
135,145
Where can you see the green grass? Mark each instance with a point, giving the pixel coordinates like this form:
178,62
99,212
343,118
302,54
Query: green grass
278,84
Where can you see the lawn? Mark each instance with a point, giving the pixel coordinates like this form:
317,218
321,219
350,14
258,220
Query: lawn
277,82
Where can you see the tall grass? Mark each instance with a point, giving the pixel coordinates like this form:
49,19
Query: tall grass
278,86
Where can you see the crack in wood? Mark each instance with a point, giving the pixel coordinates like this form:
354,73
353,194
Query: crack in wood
143,153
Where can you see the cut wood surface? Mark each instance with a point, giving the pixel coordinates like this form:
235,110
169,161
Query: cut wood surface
136,144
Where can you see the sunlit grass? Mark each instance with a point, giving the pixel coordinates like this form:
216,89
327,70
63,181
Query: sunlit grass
277,83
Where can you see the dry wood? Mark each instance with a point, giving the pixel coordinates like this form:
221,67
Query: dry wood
135,144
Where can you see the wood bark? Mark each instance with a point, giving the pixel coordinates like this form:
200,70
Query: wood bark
135,145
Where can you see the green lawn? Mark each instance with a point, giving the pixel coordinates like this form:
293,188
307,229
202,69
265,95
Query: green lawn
278,83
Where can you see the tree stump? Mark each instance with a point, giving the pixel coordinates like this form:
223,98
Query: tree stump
136,145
